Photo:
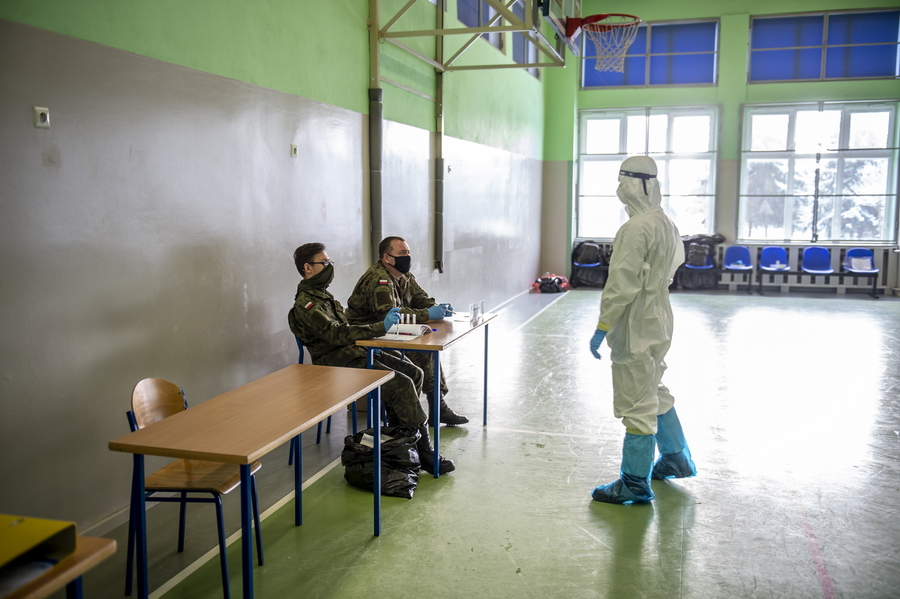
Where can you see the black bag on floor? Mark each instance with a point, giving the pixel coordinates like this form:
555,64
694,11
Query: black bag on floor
399,461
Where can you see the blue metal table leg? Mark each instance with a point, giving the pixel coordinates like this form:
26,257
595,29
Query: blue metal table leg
75,589
485,371
138,499
298,480
376,406
436,416
247,531
370,396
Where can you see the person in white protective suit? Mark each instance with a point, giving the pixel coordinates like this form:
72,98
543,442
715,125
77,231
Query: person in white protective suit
636,320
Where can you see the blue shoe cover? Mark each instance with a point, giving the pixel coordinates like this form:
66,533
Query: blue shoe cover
674,465
627,490
675,457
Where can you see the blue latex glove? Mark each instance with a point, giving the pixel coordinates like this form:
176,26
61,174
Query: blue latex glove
448,309
437,312
597,341
392,319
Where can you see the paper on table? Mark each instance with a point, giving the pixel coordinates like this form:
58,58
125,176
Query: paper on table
405,332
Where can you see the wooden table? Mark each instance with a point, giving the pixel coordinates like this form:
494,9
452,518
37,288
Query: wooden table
241,426
89,551
448,332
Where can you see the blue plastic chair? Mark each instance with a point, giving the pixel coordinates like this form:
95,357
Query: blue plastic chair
706,265
862,257
151,401
774,258
319,429
854,255
816,261
737,257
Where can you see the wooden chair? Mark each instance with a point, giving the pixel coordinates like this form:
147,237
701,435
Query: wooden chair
151,401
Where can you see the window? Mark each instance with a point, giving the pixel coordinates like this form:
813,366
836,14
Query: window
682,141
524,52
823,172
831,45
661,54
478,13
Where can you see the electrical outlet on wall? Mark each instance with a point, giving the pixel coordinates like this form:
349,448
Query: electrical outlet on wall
41,117
294,150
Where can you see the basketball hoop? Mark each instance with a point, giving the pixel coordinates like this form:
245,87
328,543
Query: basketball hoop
611,35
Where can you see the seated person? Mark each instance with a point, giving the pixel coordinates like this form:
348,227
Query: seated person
388,284
319,322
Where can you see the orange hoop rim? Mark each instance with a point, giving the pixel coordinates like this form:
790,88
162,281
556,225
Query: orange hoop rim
594,23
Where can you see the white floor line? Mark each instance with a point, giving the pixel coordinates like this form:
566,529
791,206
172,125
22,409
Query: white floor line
541,311
181,576
500,306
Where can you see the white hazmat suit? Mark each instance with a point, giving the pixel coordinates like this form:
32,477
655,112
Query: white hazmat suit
635,307
636,320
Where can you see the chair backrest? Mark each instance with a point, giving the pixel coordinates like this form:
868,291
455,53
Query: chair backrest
773,254
816,257
300,347
155,399
738,253
860,254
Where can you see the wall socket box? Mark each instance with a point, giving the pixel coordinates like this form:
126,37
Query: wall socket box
294,150
41,117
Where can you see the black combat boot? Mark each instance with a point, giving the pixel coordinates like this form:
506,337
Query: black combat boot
448,416
426,454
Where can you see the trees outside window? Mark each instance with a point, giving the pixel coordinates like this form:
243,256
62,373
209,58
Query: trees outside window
819,172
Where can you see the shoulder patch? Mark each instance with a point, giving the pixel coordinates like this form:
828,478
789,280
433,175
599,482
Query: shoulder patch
308,305
383,281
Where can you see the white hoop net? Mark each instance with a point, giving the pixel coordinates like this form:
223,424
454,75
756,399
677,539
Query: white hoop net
612,37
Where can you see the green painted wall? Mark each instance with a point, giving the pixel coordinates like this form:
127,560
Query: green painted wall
292,46
284,45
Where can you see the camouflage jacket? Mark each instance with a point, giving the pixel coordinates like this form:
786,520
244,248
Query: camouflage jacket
377,291
319,321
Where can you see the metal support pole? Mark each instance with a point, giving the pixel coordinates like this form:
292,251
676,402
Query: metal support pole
298,480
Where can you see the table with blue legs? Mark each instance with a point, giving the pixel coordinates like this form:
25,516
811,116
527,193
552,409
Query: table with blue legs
444,334
239,427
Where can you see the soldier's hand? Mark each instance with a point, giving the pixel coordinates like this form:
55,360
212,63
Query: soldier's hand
436,312
392,319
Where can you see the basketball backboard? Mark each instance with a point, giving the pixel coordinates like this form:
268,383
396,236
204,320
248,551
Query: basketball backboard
556,13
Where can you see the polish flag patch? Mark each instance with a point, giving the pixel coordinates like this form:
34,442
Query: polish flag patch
382,281
309,305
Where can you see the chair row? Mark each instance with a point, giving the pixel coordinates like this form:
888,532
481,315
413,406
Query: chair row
815,260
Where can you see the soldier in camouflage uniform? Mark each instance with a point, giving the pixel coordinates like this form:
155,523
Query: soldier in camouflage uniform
388,284
318,320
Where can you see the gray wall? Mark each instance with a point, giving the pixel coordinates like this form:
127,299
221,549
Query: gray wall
149,232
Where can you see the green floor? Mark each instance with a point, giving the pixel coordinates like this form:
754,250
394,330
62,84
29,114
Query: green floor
791,406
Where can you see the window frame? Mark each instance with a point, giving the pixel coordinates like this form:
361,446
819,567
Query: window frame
531,51
586,61
664,159
840,155
485,12
823,47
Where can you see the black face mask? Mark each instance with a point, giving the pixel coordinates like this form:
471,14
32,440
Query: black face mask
322,279
402,263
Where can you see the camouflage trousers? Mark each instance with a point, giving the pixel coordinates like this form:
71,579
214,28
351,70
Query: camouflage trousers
425,361
401,393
